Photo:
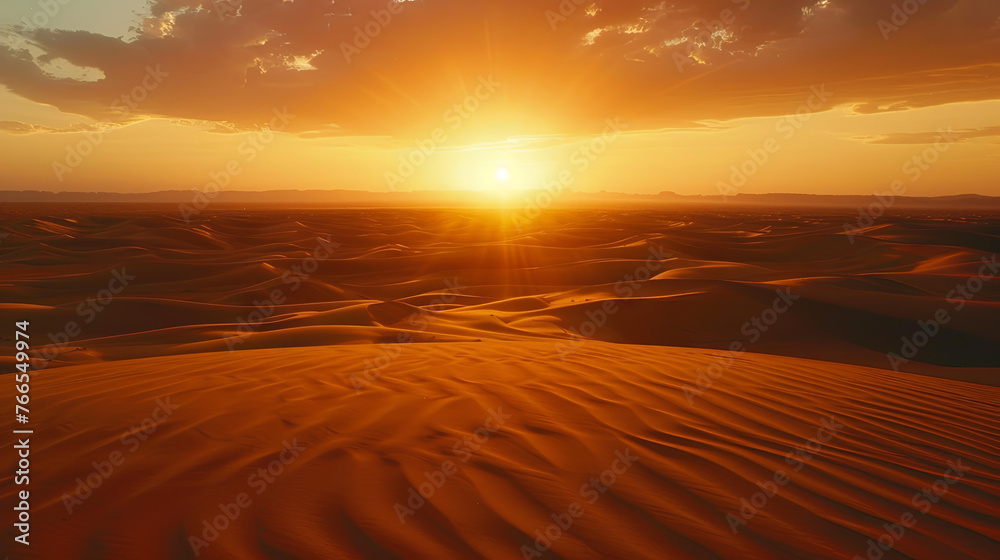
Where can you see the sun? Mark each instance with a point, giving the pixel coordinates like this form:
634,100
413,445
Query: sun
488,172
502,174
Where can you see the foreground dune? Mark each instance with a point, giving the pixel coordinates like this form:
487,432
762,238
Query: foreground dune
510,434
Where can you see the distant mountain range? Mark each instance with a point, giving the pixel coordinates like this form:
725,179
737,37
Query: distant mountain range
489,199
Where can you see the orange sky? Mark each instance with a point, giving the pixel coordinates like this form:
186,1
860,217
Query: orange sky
484,94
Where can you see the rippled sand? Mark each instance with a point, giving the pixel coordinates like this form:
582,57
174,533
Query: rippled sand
366,356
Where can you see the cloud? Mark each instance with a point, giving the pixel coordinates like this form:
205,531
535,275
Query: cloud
931,137
17,127
662,63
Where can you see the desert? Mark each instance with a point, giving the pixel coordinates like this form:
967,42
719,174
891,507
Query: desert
420,383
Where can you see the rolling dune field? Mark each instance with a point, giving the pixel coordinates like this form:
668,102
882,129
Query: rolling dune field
380,383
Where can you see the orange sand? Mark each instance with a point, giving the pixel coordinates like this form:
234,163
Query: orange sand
320,371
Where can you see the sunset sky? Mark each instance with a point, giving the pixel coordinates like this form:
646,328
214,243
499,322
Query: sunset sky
165,94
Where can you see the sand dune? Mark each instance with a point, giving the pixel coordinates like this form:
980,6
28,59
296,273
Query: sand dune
713,272
362,452
593,384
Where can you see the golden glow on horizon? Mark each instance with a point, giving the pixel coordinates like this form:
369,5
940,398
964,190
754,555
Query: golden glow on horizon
160,154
